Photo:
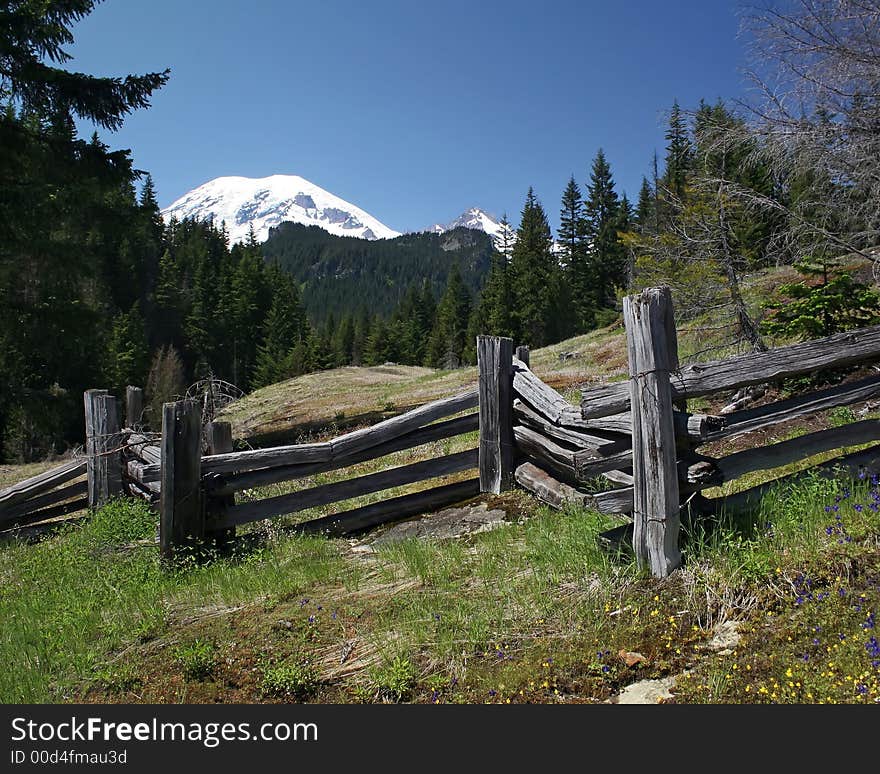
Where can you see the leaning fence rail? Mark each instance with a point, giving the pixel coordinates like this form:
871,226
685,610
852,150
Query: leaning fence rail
56,492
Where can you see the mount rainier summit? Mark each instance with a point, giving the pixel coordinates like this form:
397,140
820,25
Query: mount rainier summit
262,203
243,203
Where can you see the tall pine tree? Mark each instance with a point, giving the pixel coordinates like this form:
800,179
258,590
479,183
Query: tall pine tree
607,258
644,215
448,344
679,154
284,328
534,273
574,244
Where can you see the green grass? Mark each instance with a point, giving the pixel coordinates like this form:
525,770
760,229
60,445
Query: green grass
532,611
72,604
805,568
197,659
293,680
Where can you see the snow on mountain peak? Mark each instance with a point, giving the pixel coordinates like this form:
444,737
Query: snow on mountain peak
262,203
472,218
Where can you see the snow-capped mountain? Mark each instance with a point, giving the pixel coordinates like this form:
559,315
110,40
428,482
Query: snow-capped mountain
473,218
242,202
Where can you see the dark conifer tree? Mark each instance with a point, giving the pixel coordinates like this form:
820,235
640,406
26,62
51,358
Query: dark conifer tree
574,243
379,344
679,154
343,341
284,327
533,273
494,309
33,32
606,257
448,344
427,308
572,224
150,206
128,353
644,215
198,324
324,354
301,357
249,308
361,335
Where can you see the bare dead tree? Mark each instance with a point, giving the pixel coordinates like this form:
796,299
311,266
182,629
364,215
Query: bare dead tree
703,262
816,116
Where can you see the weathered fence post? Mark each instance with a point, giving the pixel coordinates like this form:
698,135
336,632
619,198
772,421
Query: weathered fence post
652,347
134,407
103,453
93,468
218,440
522,354
495,365
182,518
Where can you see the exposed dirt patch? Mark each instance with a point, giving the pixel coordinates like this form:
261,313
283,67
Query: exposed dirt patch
442,525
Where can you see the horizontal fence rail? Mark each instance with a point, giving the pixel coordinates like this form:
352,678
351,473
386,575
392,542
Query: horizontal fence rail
405,506
713,472
749,420
339,491
338,451
697,379
221,475
227,484
45,496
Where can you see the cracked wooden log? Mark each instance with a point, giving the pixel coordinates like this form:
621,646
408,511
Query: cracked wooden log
705,472
696,379
771,414
558,494
608,443
494,363
572,465
147,450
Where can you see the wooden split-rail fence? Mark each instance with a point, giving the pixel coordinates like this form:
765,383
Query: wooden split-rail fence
630,448
639,436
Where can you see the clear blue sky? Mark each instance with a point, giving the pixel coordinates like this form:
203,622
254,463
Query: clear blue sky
413,110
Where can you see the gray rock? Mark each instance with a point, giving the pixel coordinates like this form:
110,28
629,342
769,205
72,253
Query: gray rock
646,692
725,638
442,525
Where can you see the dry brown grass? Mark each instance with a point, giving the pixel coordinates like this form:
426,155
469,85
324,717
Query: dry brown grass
329,401
339,398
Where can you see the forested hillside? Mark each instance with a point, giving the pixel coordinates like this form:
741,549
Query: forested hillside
333,270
